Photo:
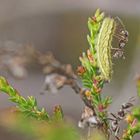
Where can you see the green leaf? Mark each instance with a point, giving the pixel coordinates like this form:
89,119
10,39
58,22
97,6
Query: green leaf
136,113
58,113
138,86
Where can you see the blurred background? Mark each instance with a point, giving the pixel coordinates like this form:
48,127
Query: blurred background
61,27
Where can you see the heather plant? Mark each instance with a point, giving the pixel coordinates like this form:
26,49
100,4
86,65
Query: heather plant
95,72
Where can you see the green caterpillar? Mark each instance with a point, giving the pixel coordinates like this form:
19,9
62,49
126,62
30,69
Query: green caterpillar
103,47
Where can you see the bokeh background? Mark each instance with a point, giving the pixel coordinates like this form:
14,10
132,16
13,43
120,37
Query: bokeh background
60,26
